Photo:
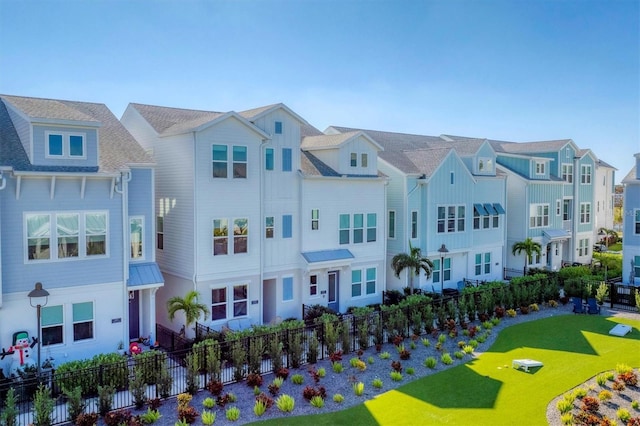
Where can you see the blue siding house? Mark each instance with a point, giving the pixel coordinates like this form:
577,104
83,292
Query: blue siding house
631,226
447,198
77,216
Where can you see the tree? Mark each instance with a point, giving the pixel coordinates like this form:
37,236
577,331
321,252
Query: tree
413,261
529,247
190,305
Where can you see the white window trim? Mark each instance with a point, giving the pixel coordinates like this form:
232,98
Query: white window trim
66,146
53,236
534,213
540,168
213,236
417,224
232,162
569,168
233,236
229,300
585,174
93,323
317,285
64,331
395,219
315,220
584,212
456,219
635,215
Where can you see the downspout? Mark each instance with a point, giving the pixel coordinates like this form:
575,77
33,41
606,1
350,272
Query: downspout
195,216
3,181
123,180
261,233
385,228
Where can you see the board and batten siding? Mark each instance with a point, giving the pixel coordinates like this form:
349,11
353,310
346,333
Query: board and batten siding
35,197
518,165
396,192
141,203
227,198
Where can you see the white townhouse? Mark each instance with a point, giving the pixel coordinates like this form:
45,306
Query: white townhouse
446,198
236,202
604,186
76,216
631,226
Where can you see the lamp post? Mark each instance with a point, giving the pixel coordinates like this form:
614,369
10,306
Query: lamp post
38,293
442,250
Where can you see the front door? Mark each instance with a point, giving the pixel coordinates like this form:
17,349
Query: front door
134,314
334,281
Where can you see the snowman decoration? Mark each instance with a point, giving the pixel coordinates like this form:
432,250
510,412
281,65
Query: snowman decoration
20,351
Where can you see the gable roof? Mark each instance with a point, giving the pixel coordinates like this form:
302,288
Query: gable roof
323,141
255,113
117,149
530,147
168,121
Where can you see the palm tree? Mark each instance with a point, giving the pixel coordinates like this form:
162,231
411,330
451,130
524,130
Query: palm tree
529,247
190,305
414,261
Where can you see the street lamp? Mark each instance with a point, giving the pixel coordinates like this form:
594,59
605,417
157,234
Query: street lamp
38,293
442,250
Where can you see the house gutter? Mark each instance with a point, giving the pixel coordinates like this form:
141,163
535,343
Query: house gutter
194,276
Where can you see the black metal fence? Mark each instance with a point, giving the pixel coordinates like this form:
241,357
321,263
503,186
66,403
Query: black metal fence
166,372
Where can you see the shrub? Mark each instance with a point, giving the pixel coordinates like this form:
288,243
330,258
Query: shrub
208,418
165,381
75,403
282,373
623,414
254,379
564,406
590,404
117,417
151,416
338,398
410,371
623,368
209,403
385,355
605,395
105,399
259,408
566,419
317,401
511,313
233,414
370,360
285,403
396,366
426,342
85,419
313,349
601,380
42,406
215,387
337,367
396,376
580,393
309,392
377,383
635,405
442,338
629,378
295,349
238,358
10,412
358,388
618,386
274,350
467,349
321,372
446,359
430,362
138,388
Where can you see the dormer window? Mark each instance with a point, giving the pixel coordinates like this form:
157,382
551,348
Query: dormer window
539,167
485,164
65,145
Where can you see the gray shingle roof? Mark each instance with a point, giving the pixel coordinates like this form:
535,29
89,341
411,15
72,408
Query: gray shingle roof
631,176
117,148
311,165
397,141
174,120
326,141
525,148
50,109
250,114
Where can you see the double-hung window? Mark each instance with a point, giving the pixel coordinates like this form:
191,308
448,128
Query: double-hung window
371,227
38,236
370,285
356,283
567,172
315,219
95,227
345,227
239,162
313,285
414,224
229,302
82,321
268,226
539,167
240,235
585,174
240,299
219,161
451,219
218,304
636,222
358,228
52,325
585,212
160,232
354,159
220,237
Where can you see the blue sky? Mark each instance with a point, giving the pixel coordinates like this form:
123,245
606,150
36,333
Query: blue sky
512,70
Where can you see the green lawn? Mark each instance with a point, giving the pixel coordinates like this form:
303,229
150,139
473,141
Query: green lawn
487,390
